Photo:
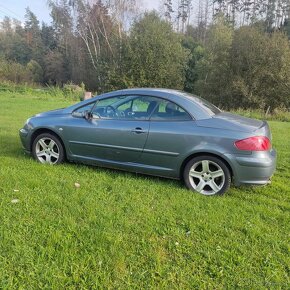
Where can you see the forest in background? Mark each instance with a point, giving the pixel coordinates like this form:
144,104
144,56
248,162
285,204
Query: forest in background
235,53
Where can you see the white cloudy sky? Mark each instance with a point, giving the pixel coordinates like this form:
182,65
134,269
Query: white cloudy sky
16,8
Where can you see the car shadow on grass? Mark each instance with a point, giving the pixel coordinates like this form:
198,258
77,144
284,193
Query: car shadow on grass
174,184
17,152
113,172
12,148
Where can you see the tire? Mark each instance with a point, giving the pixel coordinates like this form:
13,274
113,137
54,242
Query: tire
48,149
207,175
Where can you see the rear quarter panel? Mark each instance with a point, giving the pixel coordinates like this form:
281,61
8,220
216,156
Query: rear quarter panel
169,144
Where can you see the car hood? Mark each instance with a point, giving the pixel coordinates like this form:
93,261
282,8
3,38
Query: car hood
231,122
51,113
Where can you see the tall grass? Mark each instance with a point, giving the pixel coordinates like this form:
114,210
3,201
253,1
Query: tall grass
282,114
69,91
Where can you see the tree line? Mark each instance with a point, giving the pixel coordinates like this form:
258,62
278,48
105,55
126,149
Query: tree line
232,56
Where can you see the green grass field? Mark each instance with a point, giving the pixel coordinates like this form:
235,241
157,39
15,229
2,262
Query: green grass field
126,231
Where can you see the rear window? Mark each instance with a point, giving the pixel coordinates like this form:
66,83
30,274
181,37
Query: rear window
206,105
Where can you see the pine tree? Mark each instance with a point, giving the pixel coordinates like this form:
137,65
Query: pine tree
183,14
168,10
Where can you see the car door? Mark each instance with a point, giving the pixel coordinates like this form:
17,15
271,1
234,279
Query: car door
116,130
168,138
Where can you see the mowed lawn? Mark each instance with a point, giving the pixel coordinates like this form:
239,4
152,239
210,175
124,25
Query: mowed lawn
126,231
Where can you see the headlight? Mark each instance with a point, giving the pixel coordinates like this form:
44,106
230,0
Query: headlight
28,125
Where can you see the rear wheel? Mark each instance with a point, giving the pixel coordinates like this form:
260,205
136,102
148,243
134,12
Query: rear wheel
207,175
48,149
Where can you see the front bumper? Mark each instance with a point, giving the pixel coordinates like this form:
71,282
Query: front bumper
254,169
25,140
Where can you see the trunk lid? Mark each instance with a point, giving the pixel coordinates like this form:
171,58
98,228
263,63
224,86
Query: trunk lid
233,122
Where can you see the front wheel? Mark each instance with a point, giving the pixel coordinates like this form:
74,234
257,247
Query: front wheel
207,175
48,149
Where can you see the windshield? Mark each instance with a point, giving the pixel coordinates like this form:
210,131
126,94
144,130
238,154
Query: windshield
206,105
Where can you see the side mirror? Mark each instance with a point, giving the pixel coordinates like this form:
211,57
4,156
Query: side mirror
87,115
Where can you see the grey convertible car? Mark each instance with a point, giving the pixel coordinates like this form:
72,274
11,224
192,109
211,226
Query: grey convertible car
158,132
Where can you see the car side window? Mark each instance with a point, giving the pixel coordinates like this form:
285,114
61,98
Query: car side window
80,112
142,107
106,108
169,111
129,107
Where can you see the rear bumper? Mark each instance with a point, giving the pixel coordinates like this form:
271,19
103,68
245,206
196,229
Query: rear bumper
254,169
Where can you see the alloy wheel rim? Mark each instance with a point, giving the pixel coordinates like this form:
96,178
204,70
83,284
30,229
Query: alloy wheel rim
47,151
206,177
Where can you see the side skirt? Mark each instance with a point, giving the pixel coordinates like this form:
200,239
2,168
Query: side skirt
127,166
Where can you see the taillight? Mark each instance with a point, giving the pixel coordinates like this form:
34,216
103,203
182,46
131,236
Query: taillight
257,143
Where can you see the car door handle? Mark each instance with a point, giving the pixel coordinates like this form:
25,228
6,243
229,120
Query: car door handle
138,130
